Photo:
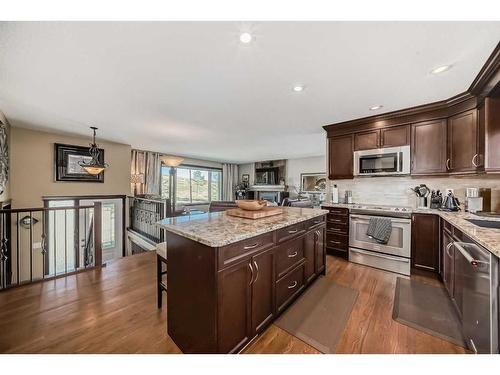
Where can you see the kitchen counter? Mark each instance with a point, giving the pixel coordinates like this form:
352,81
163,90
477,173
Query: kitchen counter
489,238
218,229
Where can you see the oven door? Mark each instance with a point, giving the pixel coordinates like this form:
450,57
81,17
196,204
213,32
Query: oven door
399,243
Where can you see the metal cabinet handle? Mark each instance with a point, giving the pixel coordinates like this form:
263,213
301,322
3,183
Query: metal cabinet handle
248,247
448,247
293,255
474,349
317,221
447,164
473,160
335,242
251,270
293,285
335,220
470,259
293,231
256,270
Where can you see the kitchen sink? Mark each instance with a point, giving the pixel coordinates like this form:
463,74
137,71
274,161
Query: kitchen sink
485,223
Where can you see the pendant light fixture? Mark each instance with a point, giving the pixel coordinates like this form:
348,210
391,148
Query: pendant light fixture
94,166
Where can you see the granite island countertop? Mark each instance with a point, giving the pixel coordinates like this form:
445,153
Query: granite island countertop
218,229
489,238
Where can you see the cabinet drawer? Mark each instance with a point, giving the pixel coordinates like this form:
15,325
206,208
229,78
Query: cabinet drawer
289,286
337,241
289,255
446,226
314,222
337,229
337,210
290,232
337,219
232,253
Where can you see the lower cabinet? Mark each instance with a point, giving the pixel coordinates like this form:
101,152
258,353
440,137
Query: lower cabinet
314,252
254,290
425,242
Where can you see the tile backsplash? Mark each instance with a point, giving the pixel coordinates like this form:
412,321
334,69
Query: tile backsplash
396,190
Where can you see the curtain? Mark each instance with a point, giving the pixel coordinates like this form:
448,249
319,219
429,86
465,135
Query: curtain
229,181
148,164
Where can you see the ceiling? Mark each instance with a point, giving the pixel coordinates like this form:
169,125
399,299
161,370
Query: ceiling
192,89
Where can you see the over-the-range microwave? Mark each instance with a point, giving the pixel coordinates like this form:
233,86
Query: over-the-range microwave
388,161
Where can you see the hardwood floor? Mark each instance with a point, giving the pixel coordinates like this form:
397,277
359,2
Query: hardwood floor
114,311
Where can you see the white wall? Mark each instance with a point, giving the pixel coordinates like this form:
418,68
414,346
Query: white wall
247,169
295,167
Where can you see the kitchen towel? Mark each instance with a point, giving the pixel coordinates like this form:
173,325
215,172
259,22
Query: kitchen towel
379,229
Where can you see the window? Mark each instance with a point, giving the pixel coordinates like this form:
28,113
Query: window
194,185
108,226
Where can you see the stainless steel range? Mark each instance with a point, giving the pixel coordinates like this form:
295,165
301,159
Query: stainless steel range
393,256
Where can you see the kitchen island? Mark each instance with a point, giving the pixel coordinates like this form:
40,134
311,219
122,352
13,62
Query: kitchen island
228,278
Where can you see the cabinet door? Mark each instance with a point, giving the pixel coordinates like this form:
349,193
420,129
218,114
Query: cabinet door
309,254
319,249
428,148
462,142
425,242
340,157
367,140
395,136
448,263
263,291
234,307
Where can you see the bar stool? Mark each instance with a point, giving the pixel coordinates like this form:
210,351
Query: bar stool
161,259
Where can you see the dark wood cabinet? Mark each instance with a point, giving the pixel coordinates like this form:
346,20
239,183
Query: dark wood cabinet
425,242
395,136
489,120
367,140
463,142
310,256
319,251
340,157
428,148
234,307
263,291
337,231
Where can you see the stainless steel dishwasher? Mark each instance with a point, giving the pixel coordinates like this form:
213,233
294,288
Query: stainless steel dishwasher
476,296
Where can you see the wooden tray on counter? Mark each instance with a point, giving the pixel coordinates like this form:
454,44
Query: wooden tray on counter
264,212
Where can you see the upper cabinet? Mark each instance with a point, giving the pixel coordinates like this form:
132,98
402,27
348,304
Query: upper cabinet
340,157
367,140
463,143
395,136
428,148
386,137
489,118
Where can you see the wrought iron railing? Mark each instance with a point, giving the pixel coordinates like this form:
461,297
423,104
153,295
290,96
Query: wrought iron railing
143,215
44,243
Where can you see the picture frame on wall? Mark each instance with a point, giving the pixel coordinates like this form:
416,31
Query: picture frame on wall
245,178
67,167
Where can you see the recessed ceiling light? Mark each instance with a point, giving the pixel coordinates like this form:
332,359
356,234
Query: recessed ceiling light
375,107
246,38
298,88
441,69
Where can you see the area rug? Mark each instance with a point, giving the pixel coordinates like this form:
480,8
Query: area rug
427,308
319,316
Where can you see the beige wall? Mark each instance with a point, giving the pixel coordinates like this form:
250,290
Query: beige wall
32,168
5,196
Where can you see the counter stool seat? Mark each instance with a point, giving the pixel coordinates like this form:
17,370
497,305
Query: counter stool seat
161,269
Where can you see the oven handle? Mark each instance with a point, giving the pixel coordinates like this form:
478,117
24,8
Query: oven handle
378,255
473,262
366,218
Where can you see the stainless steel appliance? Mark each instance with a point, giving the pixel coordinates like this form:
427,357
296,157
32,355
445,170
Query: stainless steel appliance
450,203
393,256
382,161
476,295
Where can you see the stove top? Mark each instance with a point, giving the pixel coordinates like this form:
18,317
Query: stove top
399,211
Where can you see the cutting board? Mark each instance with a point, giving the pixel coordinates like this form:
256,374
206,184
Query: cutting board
264,212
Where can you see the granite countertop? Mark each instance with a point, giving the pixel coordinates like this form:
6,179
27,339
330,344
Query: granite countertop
489,238
218,229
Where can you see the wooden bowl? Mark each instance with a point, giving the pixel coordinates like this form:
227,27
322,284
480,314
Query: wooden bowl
251,205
